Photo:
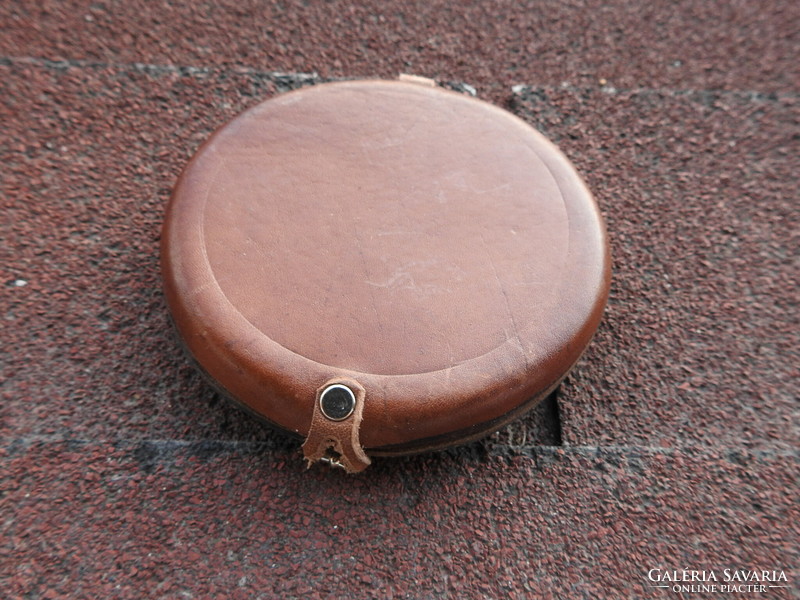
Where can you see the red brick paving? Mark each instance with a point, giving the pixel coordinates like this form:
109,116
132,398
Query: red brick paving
124,475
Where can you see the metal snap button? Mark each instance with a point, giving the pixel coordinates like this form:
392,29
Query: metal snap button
337,402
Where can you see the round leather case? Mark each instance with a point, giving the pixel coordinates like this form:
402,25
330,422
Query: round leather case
383,267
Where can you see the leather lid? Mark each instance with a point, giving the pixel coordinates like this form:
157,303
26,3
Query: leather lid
429,246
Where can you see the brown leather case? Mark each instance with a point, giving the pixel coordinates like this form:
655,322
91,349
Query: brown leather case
430,252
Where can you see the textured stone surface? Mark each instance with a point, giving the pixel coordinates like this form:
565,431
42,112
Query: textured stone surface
494,44
700,341
231,520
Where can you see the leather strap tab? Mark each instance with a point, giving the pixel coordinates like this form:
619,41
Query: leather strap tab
336,441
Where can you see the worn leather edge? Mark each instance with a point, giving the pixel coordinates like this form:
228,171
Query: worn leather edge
433,444
472,434
337,442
